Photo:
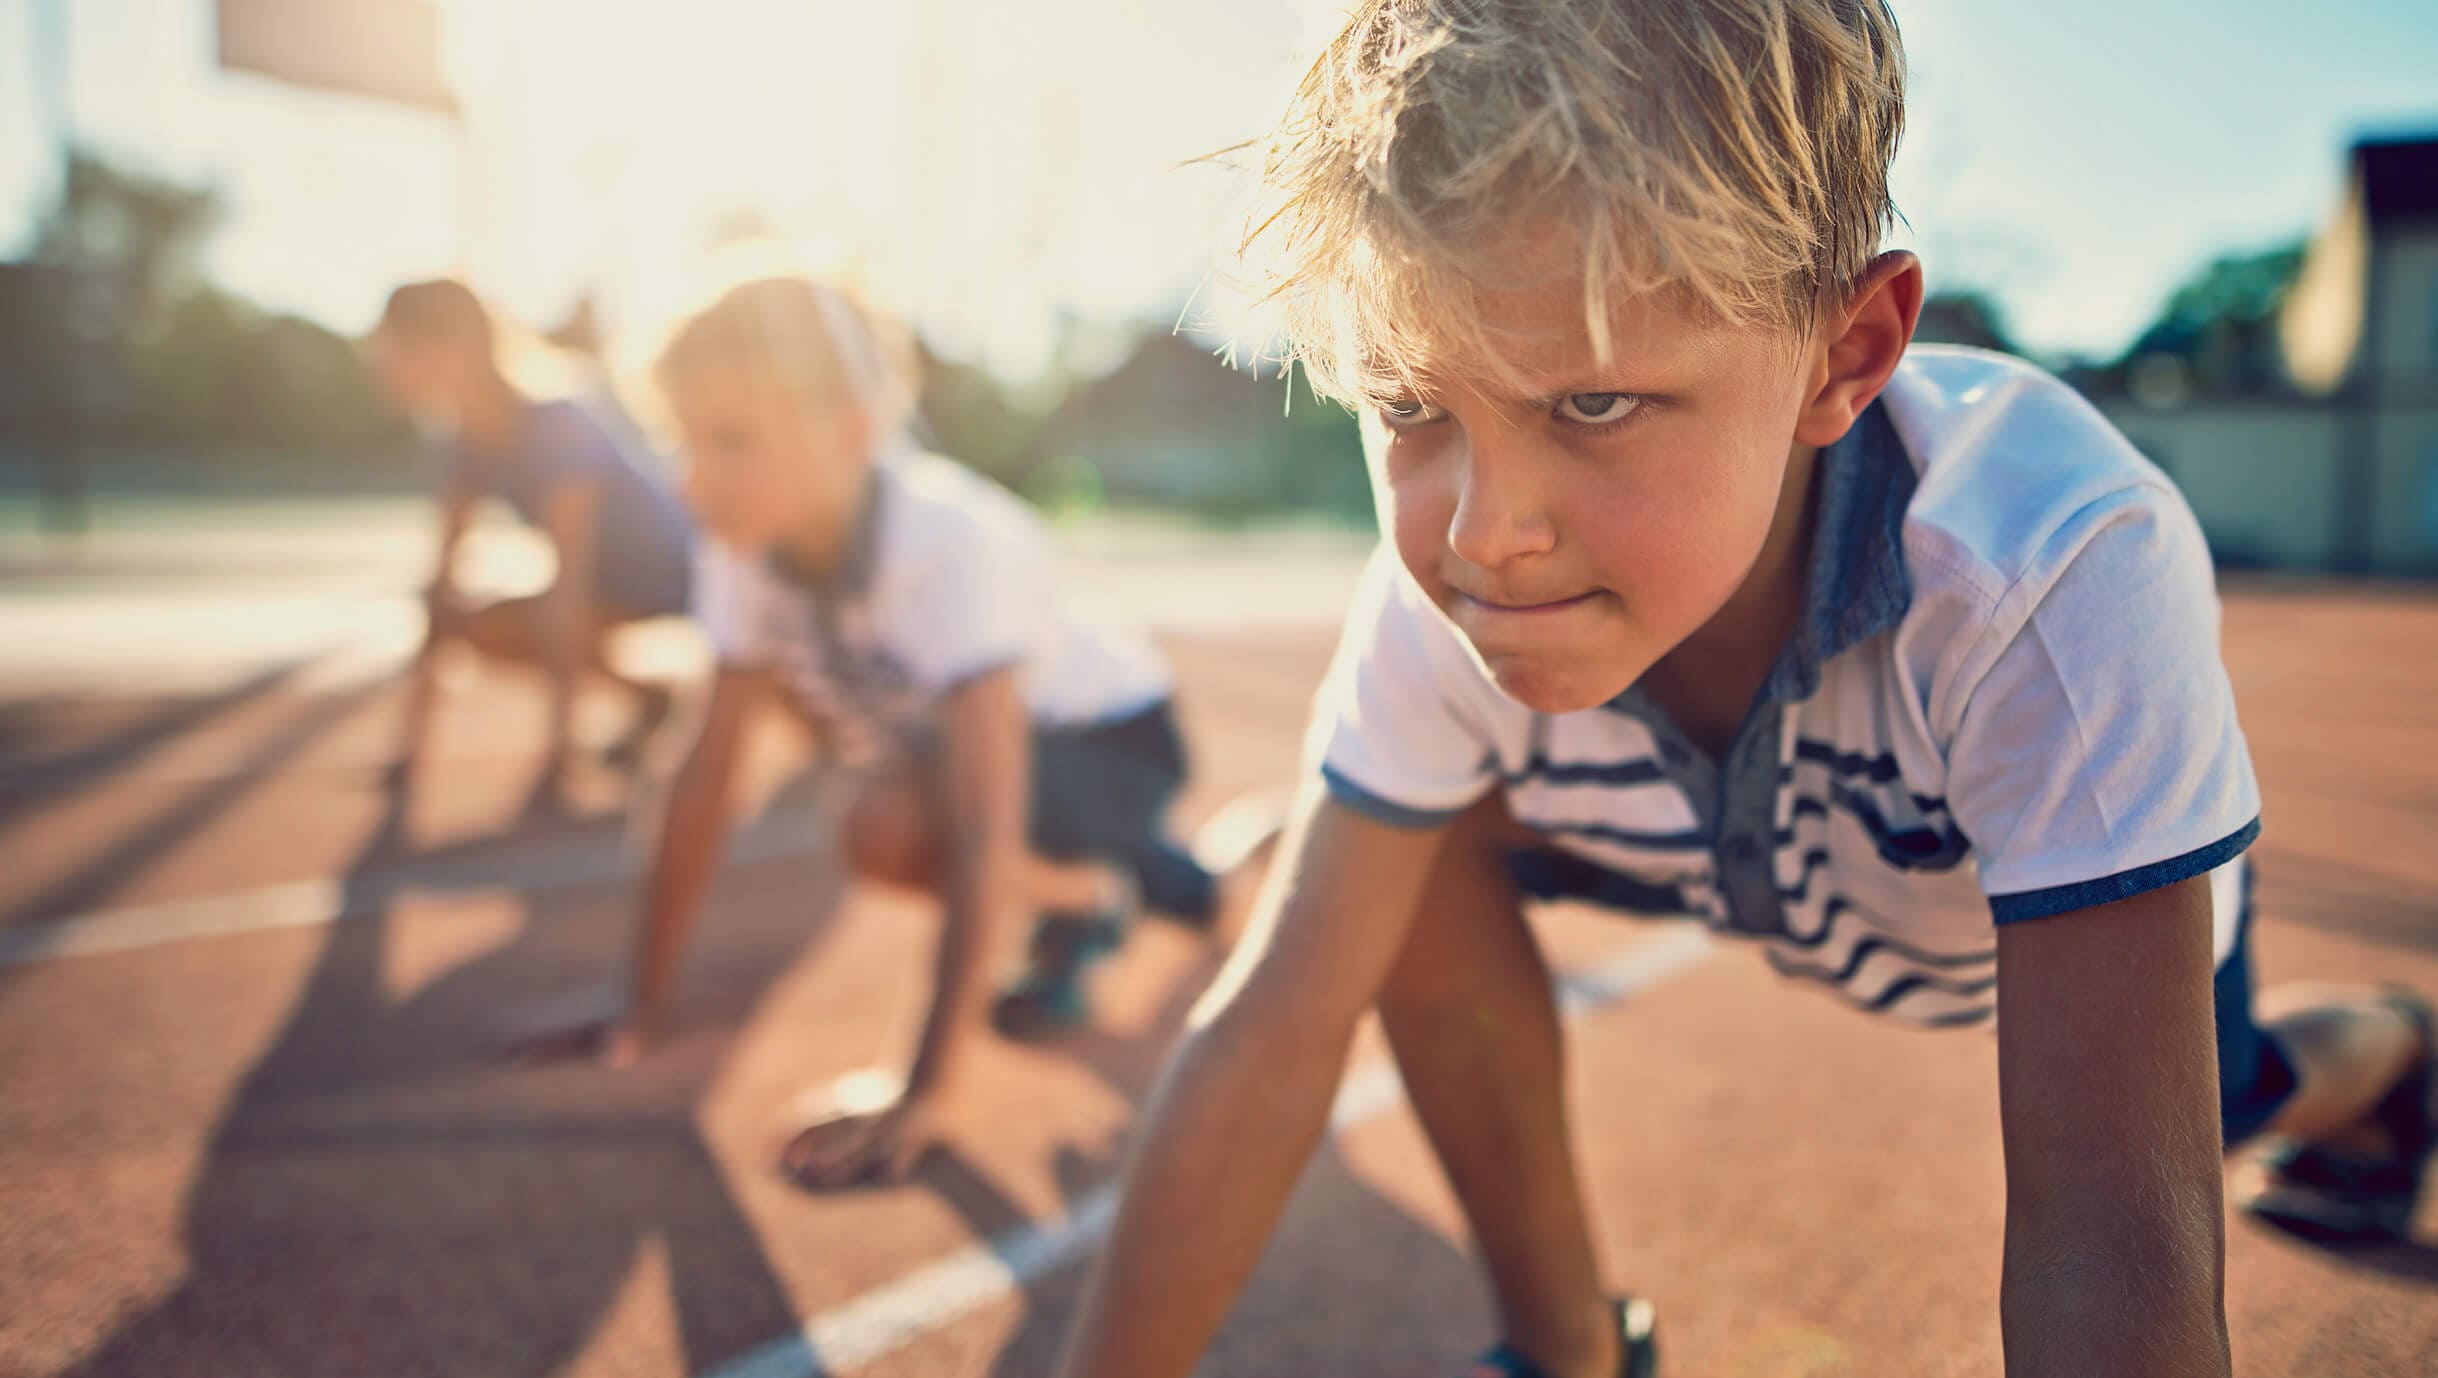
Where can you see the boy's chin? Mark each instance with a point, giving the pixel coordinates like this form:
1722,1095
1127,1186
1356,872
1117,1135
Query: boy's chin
1558,688
751,542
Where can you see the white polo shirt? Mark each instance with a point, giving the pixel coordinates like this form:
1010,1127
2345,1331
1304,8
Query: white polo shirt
2004,701
949,576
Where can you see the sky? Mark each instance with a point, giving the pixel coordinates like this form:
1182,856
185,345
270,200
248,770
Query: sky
1000,171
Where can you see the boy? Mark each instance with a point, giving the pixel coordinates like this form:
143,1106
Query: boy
1011,757
623,544
1699,597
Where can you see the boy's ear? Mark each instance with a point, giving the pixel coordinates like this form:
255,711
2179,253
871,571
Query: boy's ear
1860,341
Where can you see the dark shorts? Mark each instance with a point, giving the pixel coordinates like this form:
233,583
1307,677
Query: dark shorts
640,586
1101,793
2255,1079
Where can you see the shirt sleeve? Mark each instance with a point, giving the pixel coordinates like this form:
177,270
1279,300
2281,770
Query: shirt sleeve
731,606
1397,733
568,446
983,597
2098,756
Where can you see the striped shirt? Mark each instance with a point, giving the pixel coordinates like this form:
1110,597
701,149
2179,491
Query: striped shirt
2003,700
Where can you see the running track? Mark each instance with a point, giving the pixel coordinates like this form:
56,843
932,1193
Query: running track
250,1124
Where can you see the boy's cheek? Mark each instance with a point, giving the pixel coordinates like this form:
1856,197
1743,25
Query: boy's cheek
1419,532
728,514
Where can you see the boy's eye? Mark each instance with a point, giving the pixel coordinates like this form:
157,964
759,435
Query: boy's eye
1597,408
1408,411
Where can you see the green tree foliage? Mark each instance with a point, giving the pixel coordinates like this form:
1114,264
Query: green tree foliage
2220,324
1966,316
192,369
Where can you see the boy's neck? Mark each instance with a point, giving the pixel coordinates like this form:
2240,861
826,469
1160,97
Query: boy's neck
493,415
818,548
1707,683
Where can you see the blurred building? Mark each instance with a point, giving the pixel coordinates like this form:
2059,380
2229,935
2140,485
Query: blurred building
1171,424
2307,438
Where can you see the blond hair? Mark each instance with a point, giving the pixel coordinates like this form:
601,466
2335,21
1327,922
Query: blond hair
816,345
1734,152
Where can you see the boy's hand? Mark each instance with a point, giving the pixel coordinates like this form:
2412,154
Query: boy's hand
596,1026
872,1132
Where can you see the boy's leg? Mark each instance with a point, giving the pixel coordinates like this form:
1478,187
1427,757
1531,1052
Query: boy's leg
2348,1049
510,630
889,839
416,713
2343,1080
653,701
1470,1013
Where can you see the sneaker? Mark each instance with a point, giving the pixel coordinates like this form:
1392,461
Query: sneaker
628,753
2344,1196
1638,1356
1047,998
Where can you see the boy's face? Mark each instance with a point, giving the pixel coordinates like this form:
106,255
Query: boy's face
421,377
1578,531
758,471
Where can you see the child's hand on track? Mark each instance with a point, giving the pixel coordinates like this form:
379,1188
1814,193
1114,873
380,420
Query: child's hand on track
594,1026
871,1132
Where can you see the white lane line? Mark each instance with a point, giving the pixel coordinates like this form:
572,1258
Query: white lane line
298,904
883,1320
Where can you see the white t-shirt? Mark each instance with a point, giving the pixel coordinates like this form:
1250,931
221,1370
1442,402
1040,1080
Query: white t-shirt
2005,701
949,577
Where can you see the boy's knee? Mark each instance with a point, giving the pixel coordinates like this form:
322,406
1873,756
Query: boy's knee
502,631
884,836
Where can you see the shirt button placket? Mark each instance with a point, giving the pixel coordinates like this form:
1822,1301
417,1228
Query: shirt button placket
1747,814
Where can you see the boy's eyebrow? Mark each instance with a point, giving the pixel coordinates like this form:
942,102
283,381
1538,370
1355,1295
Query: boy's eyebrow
1630,376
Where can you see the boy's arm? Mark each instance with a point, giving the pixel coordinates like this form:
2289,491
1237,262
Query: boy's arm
694,828
984,789
439,604
2107,1061
1246,1096
981,796
619,1025
573,517
456,514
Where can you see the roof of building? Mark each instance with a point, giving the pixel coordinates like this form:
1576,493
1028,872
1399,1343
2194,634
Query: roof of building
2399,177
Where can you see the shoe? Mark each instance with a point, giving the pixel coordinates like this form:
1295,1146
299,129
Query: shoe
1638,1348
2343,1196
1047,998
627,754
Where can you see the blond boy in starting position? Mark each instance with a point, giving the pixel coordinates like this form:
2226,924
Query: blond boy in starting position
1701,594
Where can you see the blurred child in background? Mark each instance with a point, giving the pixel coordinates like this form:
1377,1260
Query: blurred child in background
1011,757
623,541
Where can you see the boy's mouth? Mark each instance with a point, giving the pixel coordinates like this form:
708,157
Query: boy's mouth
1527,608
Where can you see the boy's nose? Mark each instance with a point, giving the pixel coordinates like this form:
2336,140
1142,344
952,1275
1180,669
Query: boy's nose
1500,515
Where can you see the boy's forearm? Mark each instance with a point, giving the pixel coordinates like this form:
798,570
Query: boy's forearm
456,513
979,903
2124,1288
565,616
2119,1315
2108,1088
1219,1148
693,833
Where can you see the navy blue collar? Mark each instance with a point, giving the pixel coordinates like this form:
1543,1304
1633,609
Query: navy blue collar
852,573
1855,586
